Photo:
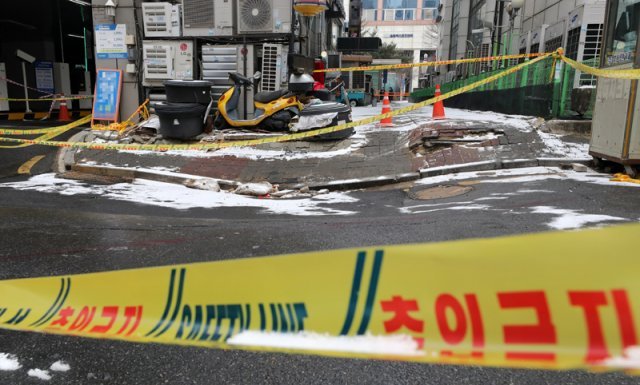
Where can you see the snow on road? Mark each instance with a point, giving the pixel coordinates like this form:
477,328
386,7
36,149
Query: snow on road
526,174
629,360
39,373
555,146
183,198
60,366
401,345
562,219
9,362
571,219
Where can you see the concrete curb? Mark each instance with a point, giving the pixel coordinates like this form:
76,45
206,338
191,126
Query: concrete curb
337,185
65,158
124,172
351,184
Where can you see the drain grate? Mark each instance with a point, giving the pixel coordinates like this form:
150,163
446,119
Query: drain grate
439,192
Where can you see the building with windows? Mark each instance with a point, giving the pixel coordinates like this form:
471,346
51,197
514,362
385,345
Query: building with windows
410,24
478,28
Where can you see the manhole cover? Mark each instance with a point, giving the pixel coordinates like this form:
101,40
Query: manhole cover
439,192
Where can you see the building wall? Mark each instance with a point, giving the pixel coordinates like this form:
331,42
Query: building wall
510,36
318,33
410,24
125,14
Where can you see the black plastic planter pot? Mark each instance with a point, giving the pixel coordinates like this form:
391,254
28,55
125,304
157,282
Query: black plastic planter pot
180,120
188,91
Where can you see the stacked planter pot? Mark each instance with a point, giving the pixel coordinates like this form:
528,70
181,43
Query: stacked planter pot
182,116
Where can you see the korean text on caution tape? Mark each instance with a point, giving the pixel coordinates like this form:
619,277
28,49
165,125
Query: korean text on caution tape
552,300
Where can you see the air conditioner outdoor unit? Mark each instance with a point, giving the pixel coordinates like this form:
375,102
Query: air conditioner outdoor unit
272,64
165,60
264,16
161,19
208,17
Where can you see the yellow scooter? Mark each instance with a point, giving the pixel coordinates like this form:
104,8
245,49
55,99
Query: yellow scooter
273,109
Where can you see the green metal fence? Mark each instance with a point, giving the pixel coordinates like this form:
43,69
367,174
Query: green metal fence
561,78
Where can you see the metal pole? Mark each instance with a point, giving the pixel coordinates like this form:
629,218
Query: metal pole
244,59
60,31
24,84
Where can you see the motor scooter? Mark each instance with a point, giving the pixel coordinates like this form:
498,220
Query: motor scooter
273,109
283,109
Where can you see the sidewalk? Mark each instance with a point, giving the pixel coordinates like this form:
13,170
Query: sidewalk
416,146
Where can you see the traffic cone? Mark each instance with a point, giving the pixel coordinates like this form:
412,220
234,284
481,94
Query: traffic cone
438,107
386,107
63,114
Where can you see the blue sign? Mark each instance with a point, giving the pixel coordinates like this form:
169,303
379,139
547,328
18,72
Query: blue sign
107,98
44,76
110,41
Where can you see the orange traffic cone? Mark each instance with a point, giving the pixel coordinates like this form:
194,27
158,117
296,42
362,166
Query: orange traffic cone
386,107
63,115
438,107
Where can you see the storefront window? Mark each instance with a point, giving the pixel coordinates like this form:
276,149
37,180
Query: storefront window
622,36
369,4
399,4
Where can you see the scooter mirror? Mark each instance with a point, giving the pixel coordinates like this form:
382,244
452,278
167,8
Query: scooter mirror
257,75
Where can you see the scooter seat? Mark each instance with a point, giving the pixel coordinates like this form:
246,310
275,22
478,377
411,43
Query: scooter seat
269,96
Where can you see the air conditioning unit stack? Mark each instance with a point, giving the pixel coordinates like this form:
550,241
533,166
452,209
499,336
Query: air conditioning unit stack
218,61
166,60
208,17
161,19
264,16
273,65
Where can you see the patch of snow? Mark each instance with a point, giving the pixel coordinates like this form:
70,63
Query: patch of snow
629,360
358,140
39,373
487,136
60,366
412,209
183,198
9,362
520,122
556,146
496,198
571,219
528,174
480,174
533,191
401,345
153,170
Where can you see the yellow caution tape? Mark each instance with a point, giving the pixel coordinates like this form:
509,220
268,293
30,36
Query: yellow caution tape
433,63
557,300
624,178
49,133
604,73
79,122
311,133
48,99
283,138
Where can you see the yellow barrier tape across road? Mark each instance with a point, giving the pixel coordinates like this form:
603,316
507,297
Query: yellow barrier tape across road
283,138
604,73
49,133
556,300
48,99
434,63
11,131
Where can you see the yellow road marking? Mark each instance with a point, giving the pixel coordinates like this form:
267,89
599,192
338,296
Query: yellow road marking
26,166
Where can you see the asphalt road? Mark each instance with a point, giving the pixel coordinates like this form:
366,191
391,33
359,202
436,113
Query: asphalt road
13,156
49,234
